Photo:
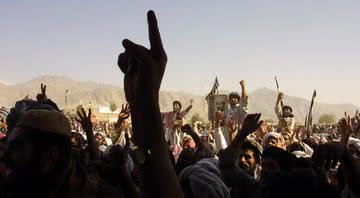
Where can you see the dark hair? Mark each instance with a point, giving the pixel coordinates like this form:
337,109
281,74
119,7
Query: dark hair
177,102
287,107
234,95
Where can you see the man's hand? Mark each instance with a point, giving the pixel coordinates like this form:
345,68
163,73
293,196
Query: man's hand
346,128
41,97
85,120
242,83
231,126
187,128
143,68
251,124
219,119
280,96
191,101
123,115
125,112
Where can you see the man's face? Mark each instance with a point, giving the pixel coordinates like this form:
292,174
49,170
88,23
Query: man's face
188,143
20,154
286,112
220,106
99,138
176,107
286,138
247,161
272,141
234,101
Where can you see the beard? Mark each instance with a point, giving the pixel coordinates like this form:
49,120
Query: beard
248,169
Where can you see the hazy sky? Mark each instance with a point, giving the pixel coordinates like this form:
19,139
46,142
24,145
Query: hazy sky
307,44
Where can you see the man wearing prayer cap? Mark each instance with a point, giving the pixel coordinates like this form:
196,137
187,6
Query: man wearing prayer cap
38,155
250,157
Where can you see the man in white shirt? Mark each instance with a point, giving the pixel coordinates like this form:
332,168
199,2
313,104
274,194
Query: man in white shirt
237,112
285,116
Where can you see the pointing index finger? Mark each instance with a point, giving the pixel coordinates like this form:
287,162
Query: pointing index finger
154,34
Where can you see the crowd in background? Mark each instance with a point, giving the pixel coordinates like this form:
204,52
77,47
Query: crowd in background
149,153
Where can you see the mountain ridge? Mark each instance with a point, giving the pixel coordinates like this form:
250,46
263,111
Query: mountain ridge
82,92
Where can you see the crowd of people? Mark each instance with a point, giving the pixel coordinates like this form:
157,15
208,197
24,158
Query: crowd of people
149,153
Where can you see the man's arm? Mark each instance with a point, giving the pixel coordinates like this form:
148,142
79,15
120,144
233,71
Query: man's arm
85,121
187,110
244,101
241,183
329,154
243,91
144,69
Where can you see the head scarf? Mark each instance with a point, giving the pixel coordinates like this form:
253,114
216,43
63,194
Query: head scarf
275,135
204,180
354,142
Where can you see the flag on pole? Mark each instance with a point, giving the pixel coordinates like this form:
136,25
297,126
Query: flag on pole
66,97
214,89
309,122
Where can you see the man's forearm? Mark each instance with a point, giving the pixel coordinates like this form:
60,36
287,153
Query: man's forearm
187,110
147,113
243,92
92,148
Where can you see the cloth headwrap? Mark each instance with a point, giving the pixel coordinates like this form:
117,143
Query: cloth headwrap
204,180
266,137
254,146
305,153
45,120
354,142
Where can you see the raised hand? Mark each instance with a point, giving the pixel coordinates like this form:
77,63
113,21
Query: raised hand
231,126
125,112
346,129
219,117
143,68
187,128
42,95
242,83
280,96
251,124
191,101
85,120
